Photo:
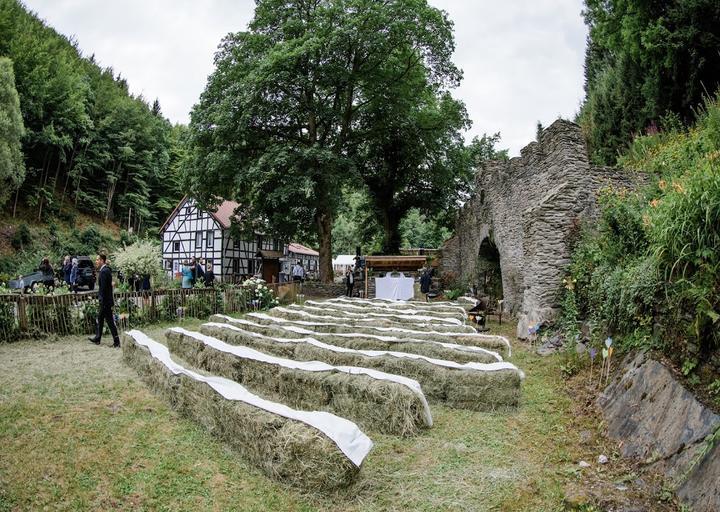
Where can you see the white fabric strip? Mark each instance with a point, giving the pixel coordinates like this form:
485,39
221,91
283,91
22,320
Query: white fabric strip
364,316
387,339
345,306
417,306
477,335
308,366
344,433
473,366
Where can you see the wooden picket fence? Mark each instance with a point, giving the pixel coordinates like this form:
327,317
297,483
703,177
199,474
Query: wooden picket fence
24,316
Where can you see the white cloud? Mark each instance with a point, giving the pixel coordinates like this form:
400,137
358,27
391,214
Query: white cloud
522,60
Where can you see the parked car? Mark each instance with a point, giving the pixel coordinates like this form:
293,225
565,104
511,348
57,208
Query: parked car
26,282
86,272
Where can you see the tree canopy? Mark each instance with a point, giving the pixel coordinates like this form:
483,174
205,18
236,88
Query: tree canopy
87,139
289,115
647,64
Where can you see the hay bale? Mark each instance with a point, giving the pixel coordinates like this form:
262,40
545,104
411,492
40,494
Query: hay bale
475,386
449,307
298,313
499,344
315,451
398,317
374,400
435,349
459,314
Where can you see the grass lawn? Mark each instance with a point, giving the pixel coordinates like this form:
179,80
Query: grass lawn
80,431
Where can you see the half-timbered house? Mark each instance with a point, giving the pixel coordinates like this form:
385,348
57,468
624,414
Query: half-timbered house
191,232
309,258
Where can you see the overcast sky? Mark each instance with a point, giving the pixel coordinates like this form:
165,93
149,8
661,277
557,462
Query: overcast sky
522,59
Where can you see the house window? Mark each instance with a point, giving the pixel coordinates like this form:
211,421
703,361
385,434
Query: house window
276,244
236,244
176,266
259,243
198,240
209,239
236,266
176,246
168,264
251,267
209,265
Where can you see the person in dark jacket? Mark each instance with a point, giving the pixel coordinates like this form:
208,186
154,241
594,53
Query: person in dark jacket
74,273
209,275
349,282
105,297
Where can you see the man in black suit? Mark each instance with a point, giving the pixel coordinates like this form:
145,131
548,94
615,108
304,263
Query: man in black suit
105,296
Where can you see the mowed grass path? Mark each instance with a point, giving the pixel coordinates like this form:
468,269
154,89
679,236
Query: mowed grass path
80,431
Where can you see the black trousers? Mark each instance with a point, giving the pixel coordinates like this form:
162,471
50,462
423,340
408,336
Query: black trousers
349,291
106,313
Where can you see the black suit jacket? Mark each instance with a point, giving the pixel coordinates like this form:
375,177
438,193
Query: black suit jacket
105,291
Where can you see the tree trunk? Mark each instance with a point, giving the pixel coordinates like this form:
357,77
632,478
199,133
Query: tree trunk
391,231
324,221
17,194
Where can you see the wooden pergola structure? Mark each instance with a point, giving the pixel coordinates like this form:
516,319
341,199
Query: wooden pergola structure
392,264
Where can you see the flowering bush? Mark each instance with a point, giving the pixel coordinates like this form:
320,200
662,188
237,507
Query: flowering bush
259,294
143,258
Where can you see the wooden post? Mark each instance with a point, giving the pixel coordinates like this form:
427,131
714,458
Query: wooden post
22,315
366,281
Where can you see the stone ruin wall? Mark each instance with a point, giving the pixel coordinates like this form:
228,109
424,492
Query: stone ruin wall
531,207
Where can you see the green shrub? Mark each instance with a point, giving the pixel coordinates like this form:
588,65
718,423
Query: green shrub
21,238
654,257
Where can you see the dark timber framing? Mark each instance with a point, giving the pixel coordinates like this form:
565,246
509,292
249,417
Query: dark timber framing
191,232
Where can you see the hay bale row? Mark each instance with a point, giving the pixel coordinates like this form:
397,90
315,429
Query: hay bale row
330,316
449,307
435,349
374,400
459,315
315,451
474,386
498,344
385,316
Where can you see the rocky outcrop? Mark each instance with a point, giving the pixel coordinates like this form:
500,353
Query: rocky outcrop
659,422
531,209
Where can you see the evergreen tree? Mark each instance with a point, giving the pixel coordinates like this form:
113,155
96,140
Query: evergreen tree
12,167
646,60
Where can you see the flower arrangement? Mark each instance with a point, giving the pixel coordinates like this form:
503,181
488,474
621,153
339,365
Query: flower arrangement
259,295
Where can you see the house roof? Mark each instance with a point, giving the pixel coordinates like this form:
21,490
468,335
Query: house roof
301,249
223,214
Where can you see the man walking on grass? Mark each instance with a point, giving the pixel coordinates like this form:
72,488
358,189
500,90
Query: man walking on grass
105,297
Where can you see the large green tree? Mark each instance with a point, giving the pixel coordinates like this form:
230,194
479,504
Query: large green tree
12,167
647,61
279,125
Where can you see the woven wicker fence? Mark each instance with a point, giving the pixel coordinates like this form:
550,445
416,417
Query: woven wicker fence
24,316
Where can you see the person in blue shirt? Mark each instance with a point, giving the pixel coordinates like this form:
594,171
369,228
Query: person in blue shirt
187,275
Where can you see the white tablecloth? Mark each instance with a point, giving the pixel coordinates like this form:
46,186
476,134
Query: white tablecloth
394,288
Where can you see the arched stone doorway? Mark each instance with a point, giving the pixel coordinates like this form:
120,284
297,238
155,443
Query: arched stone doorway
488,271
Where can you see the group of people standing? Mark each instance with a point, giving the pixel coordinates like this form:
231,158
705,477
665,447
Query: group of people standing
194,271
70,272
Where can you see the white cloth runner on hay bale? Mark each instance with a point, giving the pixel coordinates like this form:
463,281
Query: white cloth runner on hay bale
308,366
483,367
344,433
